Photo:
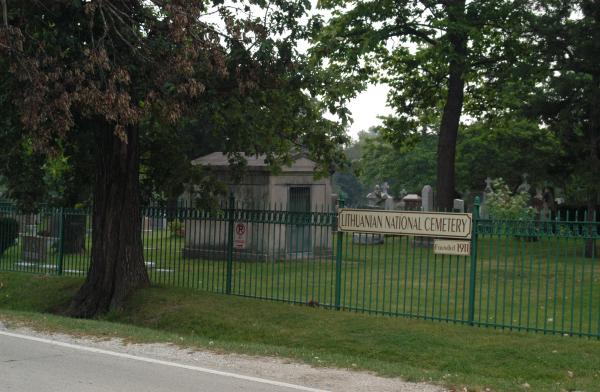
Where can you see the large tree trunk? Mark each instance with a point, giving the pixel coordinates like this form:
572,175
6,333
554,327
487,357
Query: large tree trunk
453,107
171,209
117,267
594,166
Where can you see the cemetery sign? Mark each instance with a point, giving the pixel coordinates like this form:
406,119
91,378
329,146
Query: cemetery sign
449,247
423,224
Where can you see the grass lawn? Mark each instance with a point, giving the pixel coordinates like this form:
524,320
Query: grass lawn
445,353
544,285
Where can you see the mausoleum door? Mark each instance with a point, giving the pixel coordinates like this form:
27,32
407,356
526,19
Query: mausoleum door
299,231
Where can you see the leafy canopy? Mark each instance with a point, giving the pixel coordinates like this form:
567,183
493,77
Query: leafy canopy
193,76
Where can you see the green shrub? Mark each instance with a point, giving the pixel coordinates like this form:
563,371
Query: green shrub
9,230
176,228
503,205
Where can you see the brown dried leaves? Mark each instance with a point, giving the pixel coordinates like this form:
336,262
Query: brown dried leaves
151,58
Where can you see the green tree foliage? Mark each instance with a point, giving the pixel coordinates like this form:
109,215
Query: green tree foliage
507,148
349,187
504,148
346,181
504,205
100,93
566,97
404,169
435,55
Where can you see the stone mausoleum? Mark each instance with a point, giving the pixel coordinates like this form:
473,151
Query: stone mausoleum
293,188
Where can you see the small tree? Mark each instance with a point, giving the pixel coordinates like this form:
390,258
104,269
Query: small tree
436,55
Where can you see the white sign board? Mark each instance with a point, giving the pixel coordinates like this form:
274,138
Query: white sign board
422,224
448,247
240,235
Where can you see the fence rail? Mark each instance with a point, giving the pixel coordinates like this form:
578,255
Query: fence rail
521,275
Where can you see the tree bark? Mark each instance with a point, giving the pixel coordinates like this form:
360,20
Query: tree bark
117,268
446,151
74,233
594,164
171,209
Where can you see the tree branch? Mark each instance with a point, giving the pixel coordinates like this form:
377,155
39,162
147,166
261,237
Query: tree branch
418,34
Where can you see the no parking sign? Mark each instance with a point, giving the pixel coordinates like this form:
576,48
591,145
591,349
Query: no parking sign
240,235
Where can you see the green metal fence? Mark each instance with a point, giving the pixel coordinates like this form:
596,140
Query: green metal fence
521,275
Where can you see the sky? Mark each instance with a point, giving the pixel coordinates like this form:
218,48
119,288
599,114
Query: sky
366,107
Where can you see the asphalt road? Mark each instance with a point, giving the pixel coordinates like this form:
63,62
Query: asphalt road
31,364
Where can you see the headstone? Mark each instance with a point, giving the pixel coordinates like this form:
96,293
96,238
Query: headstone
537,202
427,198
158,223
426,206
35,247
147,224
458,205
548,206
488,186
27,223
74,233
388,202
400,205
374,197
74,230
412,202
524,187
483,211
380,199
367,239
385,191
30,224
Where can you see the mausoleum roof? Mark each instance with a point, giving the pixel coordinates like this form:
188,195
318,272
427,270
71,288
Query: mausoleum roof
221,160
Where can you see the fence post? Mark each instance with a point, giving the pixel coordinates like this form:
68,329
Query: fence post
473,262
231,222
338,259
61,240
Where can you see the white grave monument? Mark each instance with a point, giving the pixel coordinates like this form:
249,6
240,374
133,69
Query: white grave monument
293,188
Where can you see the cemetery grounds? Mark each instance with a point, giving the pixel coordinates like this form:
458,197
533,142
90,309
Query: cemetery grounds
524,276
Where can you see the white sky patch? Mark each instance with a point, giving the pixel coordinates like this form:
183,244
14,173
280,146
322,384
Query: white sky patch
368,105
365,108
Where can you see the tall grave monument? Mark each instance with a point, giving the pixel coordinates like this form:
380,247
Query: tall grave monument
378,199
426,206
